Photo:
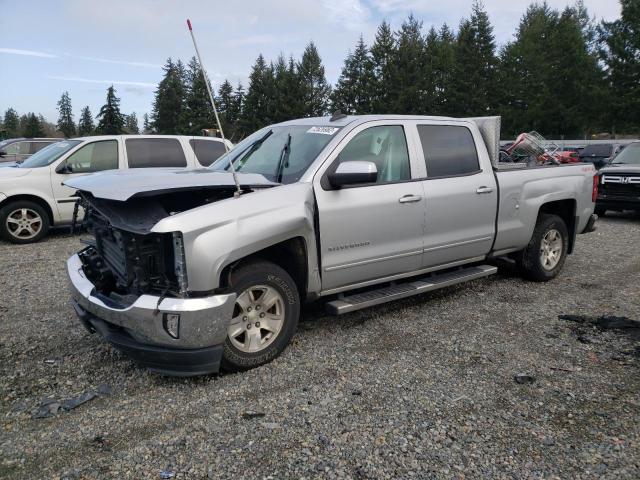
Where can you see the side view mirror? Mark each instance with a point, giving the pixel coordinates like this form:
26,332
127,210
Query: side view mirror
2,153
63,168
351,173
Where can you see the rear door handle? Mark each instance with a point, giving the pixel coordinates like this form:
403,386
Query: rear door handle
410,198
482,190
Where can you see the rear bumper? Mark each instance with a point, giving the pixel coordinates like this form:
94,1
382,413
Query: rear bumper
139,330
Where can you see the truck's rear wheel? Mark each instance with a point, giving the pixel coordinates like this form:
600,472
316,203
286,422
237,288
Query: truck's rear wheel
23,221
546,252
265,315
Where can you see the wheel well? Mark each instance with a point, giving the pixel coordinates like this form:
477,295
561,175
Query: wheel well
30,198
565,209
291,255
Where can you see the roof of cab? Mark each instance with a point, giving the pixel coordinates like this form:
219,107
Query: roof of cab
346,120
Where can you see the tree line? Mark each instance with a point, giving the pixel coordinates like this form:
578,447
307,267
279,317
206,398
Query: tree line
561,74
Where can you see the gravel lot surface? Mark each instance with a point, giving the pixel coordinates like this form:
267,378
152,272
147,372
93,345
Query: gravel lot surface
421,388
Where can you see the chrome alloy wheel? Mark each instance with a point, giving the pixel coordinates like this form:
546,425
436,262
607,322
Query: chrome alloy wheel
24,223
551,249
258,317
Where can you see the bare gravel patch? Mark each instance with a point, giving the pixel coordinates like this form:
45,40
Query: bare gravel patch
425,387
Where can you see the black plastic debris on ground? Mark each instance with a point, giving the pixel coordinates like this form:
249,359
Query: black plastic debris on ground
605,322
249,415
523,378
50,406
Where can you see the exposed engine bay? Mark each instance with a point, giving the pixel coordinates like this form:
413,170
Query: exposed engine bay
125,259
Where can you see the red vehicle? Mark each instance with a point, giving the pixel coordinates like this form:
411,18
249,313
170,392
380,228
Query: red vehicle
568,156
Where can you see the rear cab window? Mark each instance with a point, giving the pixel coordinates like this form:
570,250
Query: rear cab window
155,152
207,151
449,150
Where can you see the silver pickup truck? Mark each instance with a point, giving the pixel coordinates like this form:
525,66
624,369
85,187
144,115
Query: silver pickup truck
188,275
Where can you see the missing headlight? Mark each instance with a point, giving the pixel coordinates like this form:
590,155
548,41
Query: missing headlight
180,264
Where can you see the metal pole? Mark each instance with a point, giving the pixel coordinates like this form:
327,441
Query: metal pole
215,110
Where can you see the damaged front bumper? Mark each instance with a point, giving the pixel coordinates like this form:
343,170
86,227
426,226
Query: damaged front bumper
149,330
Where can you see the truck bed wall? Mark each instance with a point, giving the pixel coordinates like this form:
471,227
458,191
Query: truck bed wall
524,191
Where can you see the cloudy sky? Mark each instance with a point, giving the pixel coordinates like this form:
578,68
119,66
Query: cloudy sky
84,46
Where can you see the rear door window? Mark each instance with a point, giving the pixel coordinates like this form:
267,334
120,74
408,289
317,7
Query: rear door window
448,150
207,151
155,152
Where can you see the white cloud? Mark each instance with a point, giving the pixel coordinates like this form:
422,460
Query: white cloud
103,82
352,14
117,62
29,53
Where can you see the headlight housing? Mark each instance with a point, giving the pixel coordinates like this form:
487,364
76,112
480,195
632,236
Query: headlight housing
179,262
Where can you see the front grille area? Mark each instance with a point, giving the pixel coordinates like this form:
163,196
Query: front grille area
620,189
128,263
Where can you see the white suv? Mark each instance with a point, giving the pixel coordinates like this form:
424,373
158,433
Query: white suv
33,198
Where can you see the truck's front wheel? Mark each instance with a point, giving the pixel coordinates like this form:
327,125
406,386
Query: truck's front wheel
265,315
546,252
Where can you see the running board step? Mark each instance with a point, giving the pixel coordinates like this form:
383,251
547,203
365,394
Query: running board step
397,291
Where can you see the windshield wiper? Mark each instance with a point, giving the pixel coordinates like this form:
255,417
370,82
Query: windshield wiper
251,148
284,159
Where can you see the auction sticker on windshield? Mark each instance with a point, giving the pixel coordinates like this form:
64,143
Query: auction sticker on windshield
323,130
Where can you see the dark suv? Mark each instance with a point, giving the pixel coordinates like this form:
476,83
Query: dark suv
599,154
18,149
619,187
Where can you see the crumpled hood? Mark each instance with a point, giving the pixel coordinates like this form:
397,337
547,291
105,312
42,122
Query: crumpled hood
8,164
125,184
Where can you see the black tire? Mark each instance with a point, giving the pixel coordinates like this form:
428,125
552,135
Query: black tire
529,261
7,210
600,211
254,273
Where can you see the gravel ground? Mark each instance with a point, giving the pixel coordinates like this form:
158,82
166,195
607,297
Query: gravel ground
419,388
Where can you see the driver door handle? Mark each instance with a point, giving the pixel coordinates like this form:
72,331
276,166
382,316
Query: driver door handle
482,190
410,198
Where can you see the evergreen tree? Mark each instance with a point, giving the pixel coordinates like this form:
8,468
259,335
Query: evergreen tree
315,89
235,114
11,123
549,86
146,124
224,100
355,89
22,125
439,66
48,129
409,75
131,124
620,52
110,120
66,125
85,124
197,113
475,65
382,55
169,100
259,100
33,126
